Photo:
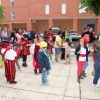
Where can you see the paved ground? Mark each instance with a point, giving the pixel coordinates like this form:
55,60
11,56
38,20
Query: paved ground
62,84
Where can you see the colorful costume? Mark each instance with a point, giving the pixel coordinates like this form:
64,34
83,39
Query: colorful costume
25,50
10,68
37,48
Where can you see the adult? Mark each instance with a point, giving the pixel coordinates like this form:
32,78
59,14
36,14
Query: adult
5,34
66,34
50,33
57,45
13,35
19,35
91,35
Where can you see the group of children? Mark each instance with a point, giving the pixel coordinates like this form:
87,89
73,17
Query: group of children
41,56
41,51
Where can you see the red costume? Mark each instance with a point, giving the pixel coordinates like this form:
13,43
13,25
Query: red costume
37,48
25,50
10,68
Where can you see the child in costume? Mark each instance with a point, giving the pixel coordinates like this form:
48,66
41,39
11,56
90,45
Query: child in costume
10,69
25,48
37,48
81,53
44,62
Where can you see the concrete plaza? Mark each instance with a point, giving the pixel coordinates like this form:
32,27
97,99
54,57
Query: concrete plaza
62,84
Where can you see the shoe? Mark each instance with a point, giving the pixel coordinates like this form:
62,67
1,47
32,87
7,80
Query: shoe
46,84
14,82
56,60
20,69
96,85
52,61
83,74
47,80
40,72
24,65
35,71
93,73
78,79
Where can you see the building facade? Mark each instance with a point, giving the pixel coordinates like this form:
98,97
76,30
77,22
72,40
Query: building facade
42,14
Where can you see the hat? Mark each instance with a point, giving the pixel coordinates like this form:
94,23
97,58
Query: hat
25,36
43,44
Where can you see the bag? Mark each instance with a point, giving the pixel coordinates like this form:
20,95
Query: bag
1,62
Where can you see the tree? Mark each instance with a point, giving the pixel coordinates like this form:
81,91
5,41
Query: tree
91,5
2,14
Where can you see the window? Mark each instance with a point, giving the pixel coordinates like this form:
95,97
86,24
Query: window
12,2
0,2
81,10
47,9
63,8
13,15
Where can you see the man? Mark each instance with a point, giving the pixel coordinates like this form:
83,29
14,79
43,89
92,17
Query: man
91,35
5,34
57,45
66,35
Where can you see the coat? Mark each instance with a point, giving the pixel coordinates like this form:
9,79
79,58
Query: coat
43,60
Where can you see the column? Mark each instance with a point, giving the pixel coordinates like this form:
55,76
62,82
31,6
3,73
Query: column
98,26
10,26
50,22
29,25
75,22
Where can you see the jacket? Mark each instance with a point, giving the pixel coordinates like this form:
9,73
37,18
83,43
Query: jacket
77,55
43,60
91,36
6,38
97,58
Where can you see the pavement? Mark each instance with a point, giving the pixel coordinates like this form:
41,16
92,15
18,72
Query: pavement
62,84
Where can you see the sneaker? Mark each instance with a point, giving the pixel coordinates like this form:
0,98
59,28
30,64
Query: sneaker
20,69
96,85
47,80
46,84
52,61
35,71
56,60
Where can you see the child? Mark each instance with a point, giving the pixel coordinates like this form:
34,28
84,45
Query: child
9,61
25,51
44,62
67,51
97,65
32,52
37,48
81,53
63,50
49,47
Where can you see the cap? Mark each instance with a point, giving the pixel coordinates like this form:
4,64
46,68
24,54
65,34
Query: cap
43,44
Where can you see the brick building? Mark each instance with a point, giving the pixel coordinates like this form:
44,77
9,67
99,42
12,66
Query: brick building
42,14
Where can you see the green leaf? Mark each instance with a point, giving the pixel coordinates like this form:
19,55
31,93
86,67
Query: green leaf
92,5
